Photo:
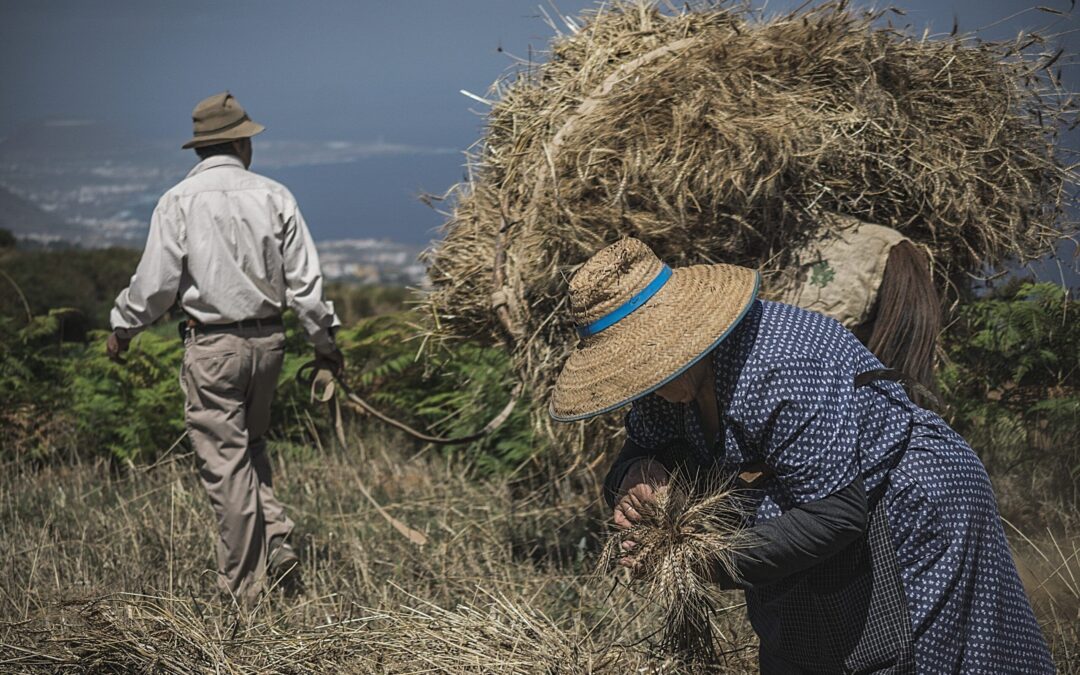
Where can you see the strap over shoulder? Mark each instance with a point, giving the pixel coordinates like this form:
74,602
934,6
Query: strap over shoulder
893,375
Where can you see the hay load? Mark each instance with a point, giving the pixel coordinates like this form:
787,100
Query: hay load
715,135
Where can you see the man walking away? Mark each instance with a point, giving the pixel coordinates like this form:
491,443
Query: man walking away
232,248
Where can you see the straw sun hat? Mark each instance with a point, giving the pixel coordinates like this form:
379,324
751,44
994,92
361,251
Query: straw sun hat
220,118
642,324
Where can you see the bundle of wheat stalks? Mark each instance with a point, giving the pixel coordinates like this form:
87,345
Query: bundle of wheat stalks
714,134
683,541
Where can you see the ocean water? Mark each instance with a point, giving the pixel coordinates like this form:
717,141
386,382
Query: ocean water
376,197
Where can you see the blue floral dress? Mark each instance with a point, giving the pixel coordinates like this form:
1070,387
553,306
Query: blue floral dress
784,384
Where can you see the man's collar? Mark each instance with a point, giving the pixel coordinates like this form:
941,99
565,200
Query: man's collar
216,161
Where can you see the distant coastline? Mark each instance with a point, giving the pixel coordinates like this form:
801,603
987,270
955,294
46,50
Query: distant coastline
85,185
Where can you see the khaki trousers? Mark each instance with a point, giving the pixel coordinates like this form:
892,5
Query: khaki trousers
229,380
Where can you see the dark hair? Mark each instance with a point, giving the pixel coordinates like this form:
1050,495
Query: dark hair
907,316
226,148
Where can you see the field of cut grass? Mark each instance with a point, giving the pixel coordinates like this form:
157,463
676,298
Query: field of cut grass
113,572
106,570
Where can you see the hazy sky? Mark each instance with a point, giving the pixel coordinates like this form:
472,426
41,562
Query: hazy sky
364,70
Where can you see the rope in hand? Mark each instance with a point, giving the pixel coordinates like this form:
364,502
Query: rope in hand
323,384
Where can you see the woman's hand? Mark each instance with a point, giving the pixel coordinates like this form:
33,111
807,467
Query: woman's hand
638,488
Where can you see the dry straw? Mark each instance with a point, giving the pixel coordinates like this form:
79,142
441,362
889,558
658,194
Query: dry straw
714,134
107,571
684,541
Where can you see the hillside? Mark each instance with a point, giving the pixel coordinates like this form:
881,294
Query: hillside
27,220
84,280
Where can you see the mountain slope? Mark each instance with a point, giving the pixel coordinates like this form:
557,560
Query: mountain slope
26,219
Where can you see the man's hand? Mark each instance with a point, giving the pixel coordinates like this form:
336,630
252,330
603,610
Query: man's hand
115,346
332,360
638,488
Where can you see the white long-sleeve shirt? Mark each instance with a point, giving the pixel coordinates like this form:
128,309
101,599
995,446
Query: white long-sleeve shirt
231,245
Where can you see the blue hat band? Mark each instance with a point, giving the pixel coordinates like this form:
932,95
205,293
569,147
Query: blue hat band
627,308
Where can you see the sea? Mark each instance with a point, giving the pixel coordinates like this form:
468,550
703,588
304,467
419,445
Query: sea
376,197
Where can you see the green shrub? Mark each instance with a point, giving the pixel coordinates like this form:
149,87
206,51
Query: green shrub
34,420
86,281
448,389
132,410
1012,380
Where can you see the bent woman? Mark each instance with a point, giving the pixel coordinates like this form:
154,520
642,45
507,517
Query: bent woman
878,542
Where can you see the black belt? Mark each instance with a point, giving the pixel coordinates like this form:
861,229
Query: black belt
190,325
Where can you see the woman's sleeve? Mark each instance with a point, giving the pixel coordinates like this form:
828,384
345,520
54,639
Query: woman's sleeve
651,426
800,414
800,538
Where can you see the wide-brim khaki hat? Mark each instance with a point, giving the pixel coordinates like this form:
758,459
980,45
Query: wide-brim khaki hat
641,324
221,118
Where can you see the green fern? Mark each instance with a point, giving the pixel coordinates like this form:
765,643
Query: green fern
132,410
1012,378
448,389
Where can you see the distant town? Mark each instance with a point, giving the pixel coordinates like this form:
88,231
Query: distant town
371,261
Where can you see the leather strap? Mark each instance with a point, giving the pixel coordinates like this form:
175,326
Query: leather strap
893,375
271,321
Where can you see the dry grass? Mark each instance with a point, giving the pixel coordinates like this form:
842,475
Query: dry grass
101,572
1049,564
1043,525
108,573
719,135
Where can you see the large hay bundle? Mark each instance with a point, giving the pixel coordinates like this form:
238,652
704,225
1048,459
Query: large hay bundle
715,135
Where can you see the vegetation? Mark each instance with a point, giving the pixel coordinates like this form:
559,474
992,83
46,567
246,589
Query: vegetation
37,282
1012,382
107,538
131,410
32,398
134,411
102,572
